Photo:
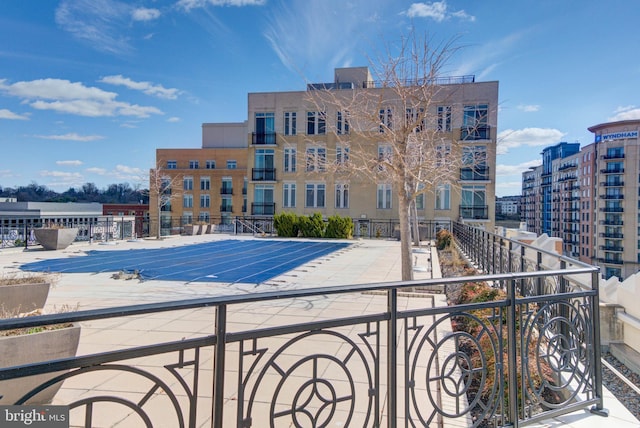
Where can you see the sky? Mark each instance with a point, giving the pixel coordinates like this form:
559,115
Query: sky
90,88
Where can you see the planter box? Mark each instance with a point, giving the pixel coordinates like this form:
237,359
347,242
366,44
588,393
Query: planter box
192,229
56,239
32,348
21,298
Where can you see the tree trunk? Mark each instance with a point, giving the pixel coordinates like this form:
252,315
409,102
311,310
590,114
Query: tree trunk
405,238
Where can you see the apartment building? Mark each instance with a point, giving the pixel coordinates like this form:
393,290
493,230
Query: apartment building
591,198
207,184
276,160
292,138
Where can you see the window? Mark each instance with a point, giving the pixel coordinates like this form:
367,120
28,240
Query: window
205,201
473,202
265,129
187,183
205,183
444,118
187,201
384,196
264,165
193,164
227,186
342,195
316,158
474,159
415,118
385,155
204,216
443,197
289,195
342,155
386,119
316,123
474,122
187,217
420,197
263,200
342,123
172,164
289,123
210,164
315,195
289,159
231,164
226,204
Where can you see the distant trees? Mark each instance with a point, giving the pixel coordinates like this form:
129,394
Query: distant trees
121,193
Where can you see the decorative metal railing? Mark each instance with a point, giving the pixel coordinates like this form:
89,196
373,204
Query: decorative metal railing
314,357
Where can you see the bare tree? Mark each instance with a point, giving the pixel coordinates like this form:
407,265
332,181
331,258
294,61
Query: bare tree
398,133
163,189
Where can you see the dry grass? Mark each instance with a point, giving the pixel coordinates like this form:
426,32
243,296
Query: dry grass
27,278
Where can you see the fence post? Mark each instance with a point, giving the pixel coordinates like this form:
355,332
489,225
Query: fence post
597,351
512,360
219,366
392,357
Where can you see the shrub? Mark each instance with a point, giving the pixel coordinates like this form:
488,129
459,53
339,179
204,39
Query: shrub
312,226
339,227
286,224
443,239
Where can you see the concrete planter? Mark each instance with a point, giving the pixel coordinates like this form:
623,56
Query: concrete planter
20,298
56,239
192,229
32,348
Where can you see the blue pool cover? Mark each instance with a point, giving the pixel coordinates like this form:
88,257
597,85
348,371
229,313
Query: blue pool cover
229,261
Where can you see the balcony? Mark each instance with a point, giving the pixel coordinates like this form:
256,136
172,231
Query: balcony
474,133
263,138
567,167
263,208
474,174
226,208
226,190
612,248
612,235
612,222
612,210
389,359
263,174
612,171
611,261
612,156
612,197
477,212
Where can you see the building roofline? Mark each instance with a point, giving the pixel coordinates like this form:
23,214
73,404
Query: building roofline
596,128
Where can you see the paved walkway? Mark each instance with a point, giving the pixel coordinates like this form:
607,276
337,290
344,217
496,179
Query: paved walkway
364,262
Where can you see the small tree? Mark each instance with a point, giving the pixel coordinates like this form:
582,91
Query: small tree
163,188
397,136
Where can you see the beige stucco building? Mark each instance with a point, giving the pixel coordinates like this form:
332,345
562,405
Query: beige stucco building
286,155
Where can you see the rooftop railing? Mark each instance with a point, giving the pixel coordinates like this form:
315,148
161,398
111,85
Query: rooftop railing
314,364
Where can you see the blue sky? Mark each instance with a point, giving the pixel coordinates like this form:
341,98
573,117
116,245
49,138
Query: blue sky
90,88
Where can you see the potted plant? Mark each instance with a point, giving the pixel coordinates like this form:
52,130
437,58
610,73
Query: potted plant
25,295
55,236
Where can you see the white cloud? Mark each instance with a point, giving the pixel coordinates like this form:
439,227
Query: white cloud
71,137
173,119
144,14
69,163
528,108
504,170
61,175
73,98
100,23
120,172
192,4
9,115
533,137
98,171
436,11
625,113
145,87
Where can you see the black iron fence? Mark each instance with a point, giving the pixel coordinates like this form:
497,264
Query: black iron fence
315,364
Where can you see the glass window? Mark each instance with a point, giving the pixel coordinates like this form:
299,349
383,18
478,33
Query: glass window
342,155
265,123
187,201
443,197
205,201
205,183
232,164
289,159
384,196
289,123
227,186
316,158
342,195
193,164
289,195
444,118
342,123
315,195
414,117
316,123
187,183
263,200
386,119
475,122
172,164
211,164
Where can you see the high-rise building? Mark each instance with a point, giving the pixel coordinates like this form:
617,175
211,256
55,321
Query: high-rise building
591,198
